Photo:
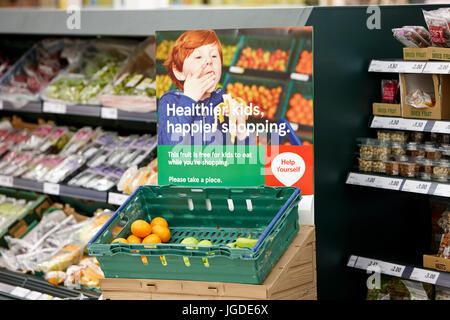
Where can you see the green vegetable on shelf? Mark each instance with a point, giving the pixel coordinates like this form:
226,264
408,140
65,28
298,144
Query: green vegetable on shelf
134,84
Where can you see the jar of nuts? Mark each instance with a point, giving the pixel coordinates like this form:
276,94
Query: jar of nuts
392,167
409,169
384,135
413,149
367,148
416,136
397,149
365,165
382,150
432,152
378,167
441,170
399,136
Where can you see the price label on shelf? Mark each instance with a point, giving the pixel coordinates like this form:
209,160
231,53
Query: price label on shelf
51,188
54,107
423,275
351,262
389,183
1,104
416,186
299,76
413,125
387,123
238,70
442,190
384,66
437,67
109,113
6,181
380,266
117,198
441,127
367,264
412,67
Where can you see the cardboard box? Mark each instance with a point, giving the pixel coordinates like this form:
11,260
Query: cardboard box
387,109
438,86
293,278
417,54
435,262
438,53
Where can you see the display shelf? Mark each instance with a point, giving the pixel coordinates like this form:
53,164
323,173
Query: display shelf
396,123
54,189
399,184
96,111
400,66
26,283
400,271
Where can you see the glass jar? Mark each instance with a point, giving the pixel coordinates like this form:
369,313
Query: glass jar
392,167
441,170
382,150
384,135
413,149
425,165
366,148
378,167
365,165
416,136
432,152
399,136
398,149
408,169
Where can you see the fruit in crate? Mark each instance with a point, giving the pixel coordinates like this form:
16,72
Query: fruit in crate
133,239
163,83
245,242
159,221
120,240
205,243
162,232
163,49
152,238
265,60
266,98
300,110
227,54
189,240
305,63
141,228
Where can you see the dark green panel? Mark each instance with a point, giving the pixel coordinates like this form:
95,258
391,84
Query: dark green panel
355,220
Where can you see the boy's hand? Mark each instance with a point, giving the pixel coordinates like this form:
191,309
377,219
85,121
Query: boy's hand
195,86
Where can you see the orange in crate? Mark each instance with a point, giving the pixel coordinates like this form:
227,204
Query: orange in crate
305,63
300,110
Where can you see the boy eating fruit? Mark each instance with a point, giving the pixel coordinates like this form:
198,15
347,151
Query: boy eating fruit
195,67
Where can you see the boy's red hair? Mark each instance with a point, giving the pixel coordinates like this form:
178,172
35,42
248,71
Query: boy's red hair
184,46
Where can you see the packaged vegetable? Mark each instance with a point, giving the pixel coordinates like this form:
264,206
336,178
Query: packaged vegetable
64,169
410,37
389,91
33,72
420,99
438,25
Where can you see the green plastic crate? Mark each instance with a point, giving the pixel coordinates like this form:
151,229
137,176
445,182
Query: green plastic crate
267,43
220,215
268,83
28,216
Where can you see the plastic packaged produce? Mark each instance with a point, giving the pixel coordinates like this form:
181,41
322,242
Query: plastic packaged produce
444,245
84,80
64,169
68,255
438,25
87,273
43,168
134,87
79,140
56,141
37,137
5,64
412,36
420,99
33,72
389,91
17,165
11,209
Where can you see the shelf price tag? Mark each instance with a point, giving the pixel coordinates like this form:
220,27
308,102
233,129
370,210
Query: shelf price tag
442,190
6,181
51,188
417,186
441,127
412,67
414,125
54,107
1,104
109,113
389,183
235,69
117,198
437,67
299,76
386,123
351,262
423,275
